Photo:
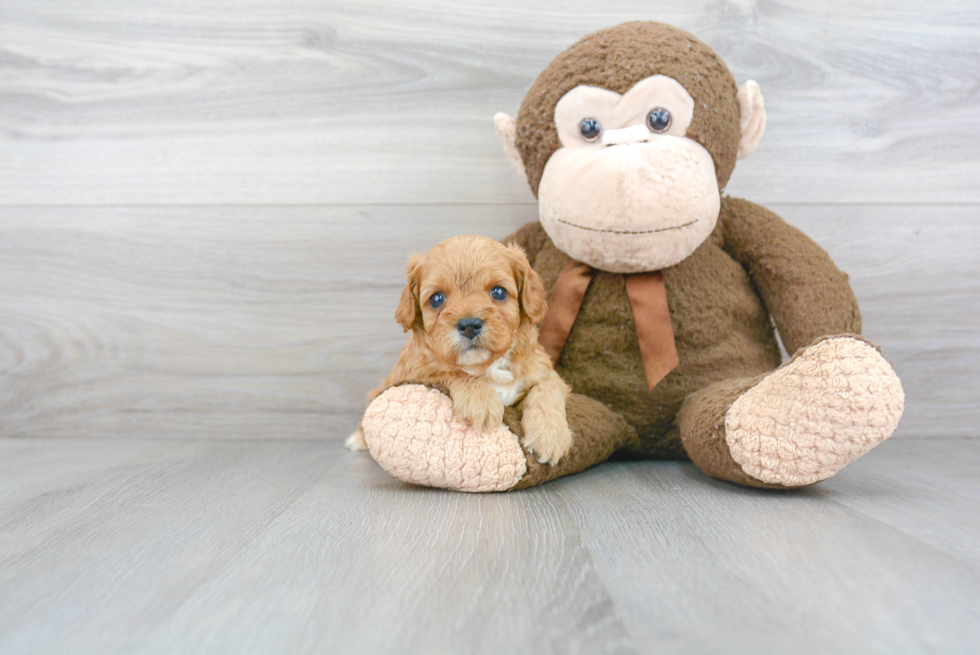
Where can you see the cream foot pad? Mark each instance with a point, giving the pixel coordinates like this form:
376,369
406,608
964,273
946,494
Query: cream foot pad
834,402
411,432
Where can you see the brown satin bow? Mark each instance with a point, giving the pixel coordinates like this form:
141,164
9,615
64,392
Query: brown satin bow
648,298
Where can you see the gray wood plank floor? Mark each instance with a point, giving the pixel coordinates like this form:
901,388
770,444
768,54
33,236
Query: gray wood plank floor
161,546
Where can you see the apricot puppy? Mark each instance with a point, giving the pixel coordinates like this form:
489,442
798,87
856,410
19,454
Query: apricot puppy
473,305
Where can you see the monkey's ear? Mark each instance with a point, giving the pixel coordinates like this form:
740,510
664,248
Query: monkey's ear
507,131
534,301
408,313
753,121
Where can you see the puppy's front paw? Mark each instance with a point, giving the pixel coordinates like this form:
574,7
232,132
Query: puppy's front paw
547,438
356,440
484,411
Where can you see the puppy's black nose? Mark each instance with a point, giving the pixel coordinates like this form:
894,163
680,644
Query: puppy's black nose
469,327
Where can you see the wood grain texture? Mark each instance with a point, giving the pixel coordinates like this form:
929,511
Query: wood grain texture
916,275
285,102
902,492
197,322
703,566
274,322
142,546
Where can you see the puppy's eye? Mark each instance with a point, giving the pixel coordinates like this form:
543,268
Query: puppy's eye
658,120
498,293
590,128
437,300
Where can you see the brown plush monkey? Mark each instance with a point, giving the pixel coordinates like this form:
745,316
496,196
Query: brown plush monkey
663,292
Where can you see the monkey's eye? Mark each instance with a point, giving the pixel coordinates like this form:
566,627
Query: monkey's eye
498,293
590,128
437,300
658,120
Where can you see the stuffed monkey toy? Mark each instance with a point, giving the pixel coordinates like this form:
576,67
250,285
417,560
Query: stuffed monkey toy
663,293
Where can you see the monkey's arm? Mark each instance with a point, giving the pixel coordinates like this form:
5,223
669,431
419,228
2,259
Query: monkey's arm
807,295
531,238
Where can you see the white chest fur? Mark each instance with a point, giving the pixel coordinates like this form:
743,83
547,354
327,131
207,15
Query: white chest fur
501,378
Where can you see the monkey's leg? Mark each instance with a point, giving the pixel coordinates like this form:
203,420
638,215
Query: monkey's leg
831,403
597,432
411,432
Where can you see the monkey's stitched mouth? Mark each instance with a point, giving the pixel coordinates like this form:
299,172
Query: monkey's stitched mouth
663,229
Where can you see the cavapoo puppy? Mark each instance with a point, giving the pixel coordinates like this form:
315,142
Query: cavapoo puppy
473,305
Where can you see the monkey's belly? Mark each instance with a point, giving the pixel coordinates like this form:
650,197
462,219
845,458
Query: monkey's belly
721,330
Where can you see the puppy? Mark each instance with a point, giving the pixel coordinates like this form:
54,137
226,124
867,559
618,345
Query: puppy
473,305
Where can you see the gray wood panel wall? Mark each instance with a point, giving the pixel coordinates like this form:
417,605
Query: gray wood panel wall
205,211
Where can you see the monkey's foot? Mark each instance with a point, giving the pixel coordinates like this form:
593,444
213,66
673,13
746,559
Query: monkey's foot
411,432
835,401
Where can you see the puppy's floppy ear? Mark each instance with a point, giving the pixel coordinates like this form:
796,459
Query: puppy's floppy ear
534,302
408,313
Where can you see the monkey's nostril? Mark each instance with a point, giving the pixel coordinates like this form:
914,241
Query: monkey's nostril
469,327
